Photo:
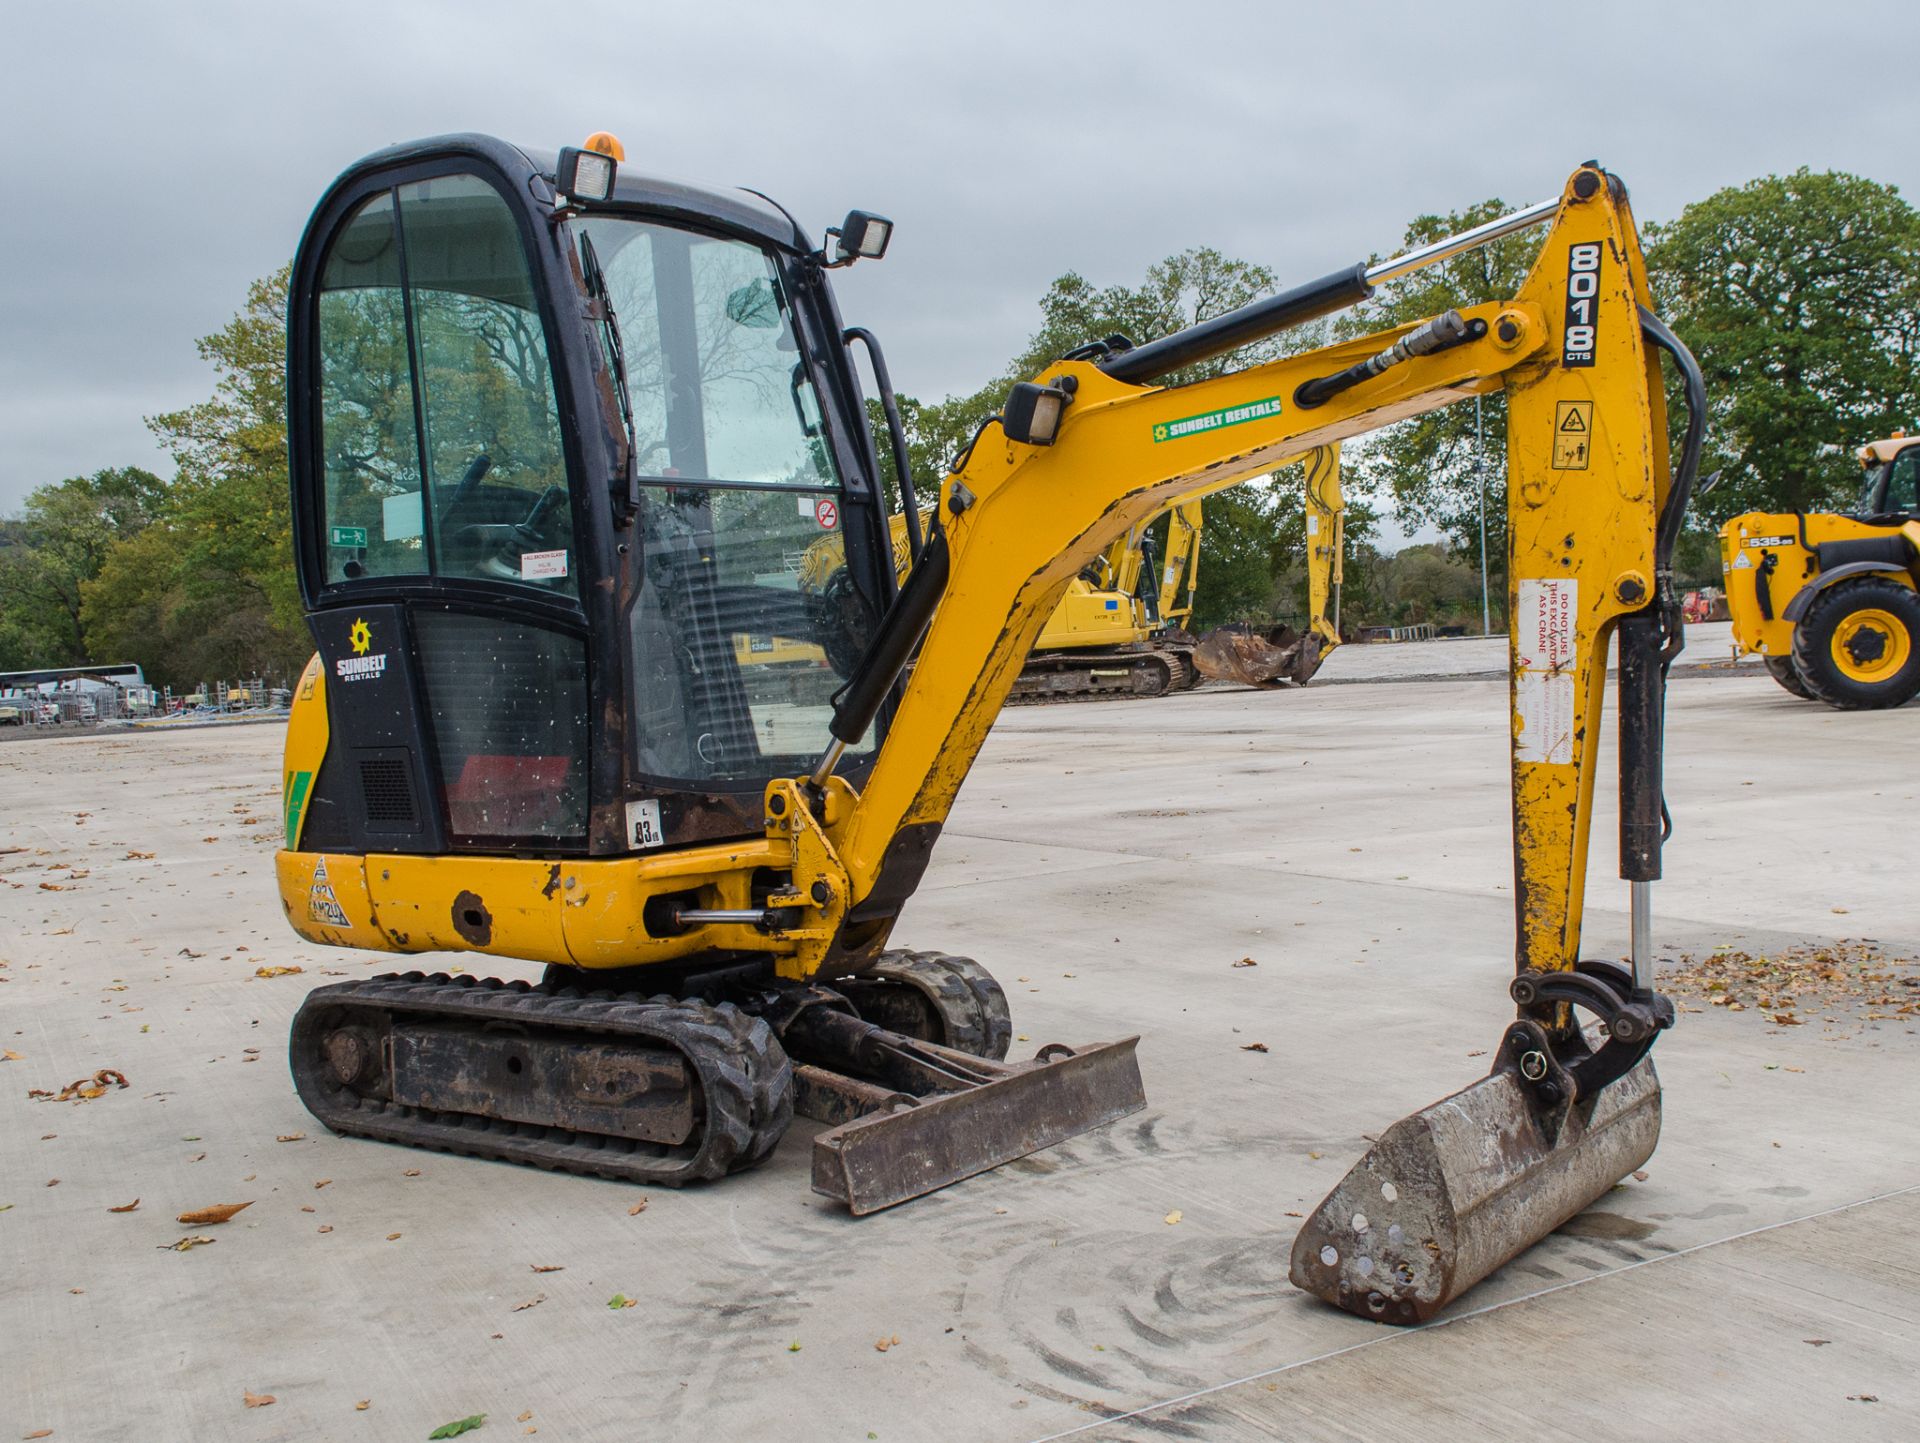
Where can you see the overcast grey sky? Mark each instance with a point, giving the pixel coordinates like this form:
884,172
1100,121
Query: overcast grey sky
159,157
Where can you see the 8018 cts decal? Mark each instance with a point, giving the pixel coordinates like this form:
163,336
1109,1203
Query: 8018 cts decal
1583,303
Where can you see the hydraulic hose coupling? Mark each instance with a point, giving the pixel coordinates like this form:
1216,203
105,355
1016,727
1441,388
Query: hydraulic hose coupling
1445,330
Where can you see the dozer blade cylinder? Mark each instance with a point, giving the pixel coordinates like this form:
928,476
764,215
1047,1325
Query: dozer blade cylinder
1455,1190
923,1145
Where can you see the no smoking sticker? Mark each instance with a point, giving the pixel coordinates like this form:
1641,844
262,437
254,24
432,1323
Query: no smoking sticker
826,513
1572,435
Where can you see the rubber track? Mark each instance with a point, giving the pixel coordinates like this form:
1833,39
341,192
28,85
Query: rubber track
745,1080
1179,671
971,1004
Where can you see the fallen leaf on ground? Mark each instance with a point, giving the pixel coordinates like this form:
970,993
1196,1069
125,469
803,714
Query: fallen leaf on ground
621,1300
1861,1397
258,1400
326,1227
208,1216
291,1137
7,1054
363,1405
308,1208
277,971
38,1432
411,1172
793,1347
55,1182
535,1301
1295,1215
1246,962
84,1089
548,1267
1174,1217
393,1237
525,1417
323,1182
637,1208
139,856
881,1345
127,1209
1817,1342
186,1243
54,887
1640,1177
1254,1047
458,1426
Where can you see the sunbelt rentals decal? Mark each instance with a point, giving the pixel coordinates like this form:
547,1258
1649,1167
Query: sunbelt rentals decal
1216,420
365,661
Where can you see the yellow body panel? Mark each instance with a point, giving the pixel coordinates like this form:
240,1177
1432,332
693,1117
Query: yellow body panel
1582,555
1768,556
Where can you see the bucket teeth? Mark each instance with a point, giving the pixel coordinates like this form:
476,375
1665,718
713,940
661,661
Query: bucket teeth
1454,1191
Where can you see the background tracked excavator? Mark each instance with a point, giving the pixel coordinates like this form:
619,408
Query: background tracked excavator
1120,627
1282,655
1830,600
556,430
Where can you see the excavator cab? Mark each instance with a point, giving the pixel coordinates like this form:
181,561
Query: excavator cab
547,477
573,452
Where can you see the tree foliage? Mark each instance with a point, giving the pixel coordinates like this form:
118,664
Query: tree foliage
1800,297
1251,534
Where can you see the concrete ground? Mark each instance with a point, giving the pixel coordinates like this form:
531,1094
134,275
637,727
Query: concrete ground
1110,862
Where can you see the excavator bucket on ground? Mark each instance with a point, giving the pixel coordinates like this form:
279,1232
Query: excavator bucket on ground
1259,659
1459,1188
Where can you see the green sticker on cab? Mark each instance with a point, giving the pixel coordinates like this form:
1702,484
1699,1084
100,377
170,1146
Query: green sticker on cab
354,536
1217,420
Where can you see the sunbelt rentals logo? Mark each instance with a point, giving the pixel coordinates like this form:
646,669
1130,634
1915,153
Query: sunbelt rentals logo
365,662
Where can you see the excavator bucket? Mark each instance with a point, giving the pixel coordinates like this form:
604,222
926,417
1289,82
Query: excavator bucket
1252,659
900,1146
1457,1189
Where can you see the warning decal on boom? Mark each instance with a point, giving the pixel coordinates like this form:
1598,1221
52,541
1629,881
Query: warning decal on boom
1572,435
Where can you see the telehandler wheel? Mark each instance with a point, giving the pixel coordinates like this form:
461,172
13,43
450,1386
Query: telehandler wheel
953,1001
1858,646
1782,670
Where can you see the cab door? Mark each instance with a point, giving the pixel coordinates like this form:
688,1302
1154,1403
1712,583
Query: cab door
445,540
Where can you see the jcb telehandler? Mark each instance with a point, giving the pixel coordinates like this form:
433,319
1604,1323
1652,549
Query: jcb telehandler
1829,600
557,428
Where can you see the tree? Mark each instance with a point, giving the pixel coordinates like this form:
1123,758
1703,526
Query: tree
1800,297
1431,466
62,539
1246,544
210,588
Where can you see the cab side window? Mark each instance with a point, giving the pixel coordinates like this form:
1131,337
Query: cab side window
370,449
440,431
1903,487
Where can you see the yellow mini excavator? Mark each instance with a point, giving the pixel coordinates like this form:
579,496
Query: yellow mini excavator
1830,601
1120,627
558,432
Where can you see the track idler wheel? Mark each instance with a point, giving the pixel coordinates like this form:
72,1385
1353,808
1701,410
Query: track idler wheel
935,997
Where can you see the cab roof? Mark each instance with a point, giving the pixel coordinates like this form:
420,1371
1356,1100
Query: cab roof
737,210
1876,453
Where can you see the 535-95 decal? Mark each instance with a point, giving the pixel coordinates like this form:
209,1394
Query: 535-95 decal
1583,303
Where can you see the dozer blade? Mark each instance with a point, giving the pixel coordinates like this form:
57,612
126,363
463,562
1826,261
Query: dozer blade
915,1146
1457,1189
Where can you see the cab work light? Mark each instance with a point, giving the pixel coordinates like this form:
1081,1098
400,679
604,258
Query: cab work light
1032,413
584,174
862,236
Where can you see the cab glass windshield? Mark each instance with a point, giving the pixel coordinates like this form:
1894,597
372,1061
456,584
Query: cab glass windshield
746,620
